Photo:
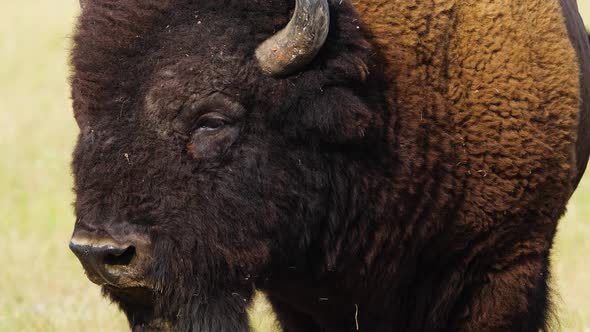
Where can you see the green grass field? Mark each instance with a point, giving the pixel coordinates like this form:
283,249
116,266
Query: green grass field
42,286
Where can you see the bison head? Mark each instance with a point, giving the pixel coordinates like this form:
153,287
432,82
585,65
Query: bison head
215,154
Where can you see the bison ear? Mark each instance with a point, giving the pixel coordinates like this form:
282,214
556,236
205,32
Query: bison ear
339,115
83,4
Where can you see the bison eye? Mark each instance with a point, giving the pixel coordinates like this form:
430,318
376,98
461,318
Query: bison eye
210,126
212,135
210,122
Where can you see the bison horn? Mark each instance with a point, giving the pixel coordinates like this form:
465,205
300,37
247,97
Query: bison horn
299,42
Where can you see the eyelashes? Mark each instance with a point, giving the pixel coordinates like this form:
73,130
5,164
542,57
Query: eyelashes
211,113
210,127
210,122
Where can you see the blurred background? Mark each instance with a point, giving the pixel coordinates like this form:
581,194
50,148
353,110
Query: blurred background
42,286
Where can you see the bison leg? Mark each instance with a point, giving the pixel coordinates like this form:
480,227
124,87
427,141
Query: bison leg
510,297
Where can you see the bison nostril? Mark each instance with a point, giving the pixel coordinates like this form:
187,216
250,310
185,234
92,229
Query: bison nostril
110,261
120,257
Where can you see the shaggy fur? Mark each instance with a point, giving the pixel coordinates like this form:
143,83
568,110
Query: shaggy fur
409,179
578,35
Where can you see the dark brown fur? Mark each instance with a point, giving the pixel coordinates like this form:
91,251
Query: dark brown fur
409,179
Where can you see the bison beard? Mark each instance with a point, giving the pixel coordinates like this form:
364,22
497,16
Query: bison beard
400,179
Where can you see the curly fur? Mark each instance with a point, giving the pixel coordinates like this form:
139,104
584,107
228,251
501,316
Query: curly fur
410,178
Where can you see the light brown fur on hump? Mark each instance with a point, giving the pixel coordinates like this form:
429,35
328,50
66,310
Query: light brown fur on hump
494,83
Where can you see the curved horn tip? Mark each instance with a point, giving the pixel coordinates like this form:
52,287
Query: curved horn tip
298,43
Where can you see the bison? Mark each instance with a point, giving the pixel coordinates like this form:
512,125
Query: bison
375,165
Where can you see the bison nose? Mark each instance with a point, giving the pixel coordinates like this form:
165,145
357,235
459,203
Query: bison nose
104,262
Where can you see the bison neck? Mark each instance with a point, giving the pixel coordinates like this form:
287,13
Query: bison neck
376,235
477,138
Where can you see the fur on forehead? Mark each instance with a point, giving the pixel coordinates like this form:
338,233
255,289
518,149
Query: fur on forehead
116,38
113,35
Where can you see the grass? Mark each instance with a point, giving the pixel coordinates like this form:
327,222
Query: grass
42,287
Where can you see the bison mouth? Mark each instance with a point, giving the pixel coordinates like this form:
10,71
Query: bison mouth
132,295
139,304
